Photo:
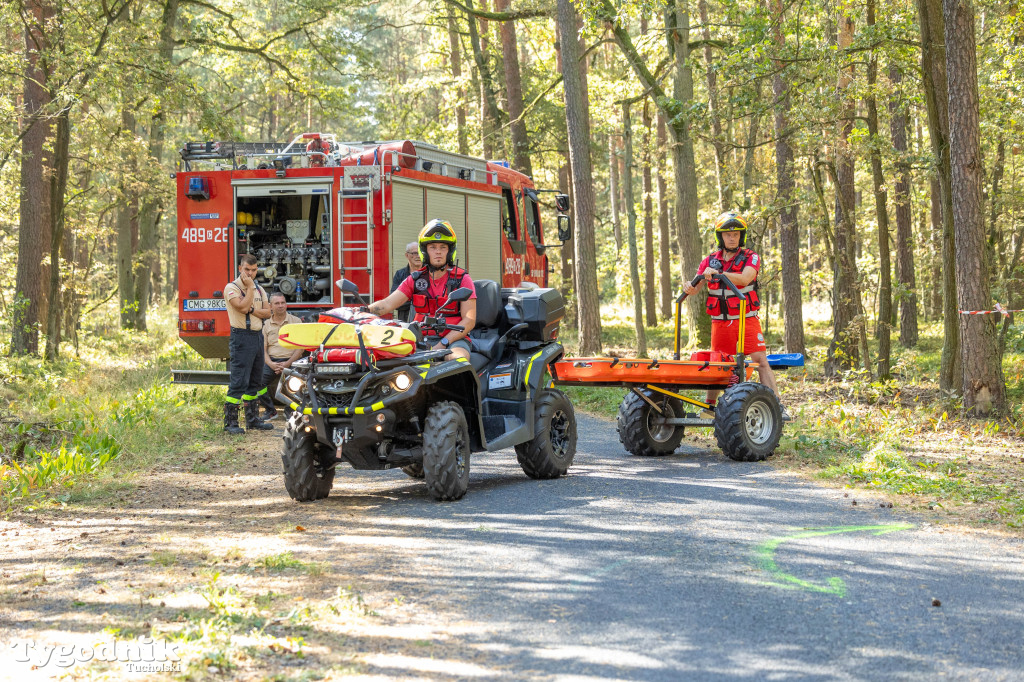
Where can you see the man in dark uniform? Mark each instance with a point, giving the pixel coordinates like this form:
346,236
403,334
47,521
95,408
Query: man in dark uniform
248,306
412,254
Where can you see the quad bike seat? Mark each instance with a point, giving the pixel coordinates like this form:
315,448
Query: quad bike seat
484,336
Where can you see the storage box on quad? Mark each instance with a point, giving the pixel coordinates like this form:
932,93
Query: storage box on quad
539,309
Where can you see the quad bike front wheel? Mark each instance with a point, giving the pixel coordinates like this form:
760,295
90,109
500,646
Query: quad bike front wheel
308,465
748,422
446,451
641,428
550,453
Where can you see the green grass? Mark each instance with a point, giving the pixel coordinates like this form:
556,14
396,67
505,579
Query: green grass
79,429
287,561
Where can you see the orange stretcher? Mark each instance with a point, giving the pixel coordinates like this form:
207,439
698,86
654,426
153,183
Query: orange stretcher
699,372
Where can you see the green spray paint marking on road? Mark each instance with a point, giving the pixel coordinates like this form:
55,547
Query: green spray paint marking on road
766,557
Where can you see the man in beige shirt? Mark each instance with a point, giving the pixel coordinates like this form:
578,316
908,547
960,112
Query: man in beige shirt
247,309
276,358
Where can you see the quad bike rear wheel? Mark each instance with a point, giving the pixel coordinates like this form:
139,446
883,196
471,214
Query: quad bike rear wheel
308,465
640,426
550,453
446,451
748,422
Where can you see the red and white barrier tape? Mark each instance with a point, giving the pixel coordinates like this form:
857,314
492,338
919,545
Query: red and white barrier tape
998,310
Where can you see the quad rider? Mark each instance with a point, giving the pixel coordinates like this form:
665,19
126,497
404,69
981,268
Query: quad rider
741,265
429,287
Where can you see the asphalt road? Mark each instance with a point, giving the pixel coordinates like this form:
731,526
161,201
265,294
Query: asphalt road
690,566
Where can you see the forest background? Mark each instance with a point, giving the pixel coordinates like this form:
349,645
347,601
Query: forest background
875,150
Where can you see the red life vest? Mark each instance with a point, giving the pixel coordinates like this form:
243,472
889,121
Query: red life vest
427,304
722,302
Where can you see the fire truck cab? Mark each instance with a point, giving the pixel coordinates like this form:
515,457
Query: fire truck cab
315,210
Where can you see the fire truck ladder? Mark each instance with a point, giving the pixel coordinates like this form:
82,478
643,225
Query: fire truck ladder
353,220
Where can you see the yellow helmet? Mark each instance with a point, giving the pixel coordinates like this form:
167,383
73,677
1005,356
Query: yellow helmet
730,221
437,231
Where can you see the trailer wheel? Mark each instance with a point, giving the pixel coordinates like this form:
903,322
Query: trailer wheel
446,451
748,422
413,470
638,424
308,466
550,453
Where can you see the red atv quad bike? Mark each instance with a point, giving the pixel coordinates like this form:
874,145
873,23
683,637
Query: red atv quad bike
653,415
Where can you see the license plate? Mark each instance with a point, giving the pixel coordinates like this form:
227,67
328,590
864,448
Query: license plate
500,380
191,304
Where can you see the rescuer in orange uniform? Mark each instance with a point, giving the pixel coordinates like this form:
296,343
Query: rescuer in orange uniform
741,265
429,287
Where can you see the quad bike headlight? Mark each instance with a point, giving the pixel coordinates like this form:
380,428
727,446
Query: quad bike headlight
402,382
294,384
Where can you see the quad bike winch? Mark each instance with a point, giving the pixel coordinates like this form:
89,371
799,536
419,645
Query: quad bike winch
653,416
372,394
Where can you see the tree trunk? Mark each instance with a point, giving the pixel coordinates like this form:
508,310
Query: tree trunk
613,193
578,128
152,203
983,383
649,302
489,114
634,266
995,235
883,323
514,90
792,295
460,106
685,169
935,223
675,109
717,139
126,221
58,185
664,242
934,85
904,237
567,272
29,306
843,351
749,153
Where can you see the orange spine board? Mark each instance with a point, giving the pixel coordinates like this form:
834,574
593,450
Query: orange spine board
639,370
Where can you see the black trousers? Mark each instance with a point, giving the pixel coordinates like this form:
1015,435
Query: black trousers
270,381
245,366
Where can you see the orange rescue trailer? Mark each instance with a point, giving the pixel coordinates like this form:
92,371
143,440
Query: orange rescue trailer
653,415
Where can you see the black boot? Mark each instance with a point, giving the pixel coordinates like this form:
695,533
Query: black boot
252,419
231,418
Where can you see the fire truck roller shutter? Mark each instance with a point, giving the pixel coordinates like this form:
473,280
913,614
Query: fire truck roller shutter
406,220
278,188
484,237
451,206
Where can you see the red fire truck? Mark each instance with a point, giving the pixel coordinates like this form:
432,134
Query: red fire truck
315,210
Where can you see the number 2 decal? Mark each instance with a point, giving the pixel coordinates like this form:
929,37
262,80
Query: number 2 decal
388,333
